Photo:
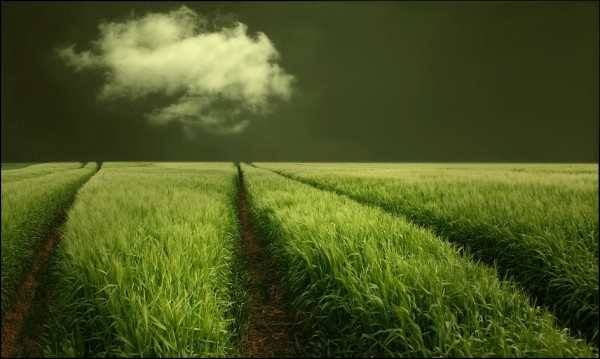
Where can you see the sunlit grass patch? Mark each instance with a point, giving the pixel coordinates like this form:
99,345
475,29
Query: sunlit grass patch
373,284
145,264
537,222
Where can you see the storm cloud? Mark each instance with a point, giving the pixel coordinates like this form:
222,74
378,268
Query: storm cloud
218,79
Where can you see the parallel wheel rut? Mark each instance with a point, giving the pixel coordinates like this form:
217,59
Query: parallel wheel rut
269,329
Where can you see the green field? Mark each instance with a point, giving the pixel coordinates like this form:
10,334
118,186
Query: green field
34,199
145,265
386,260
35,170
537,223
15,165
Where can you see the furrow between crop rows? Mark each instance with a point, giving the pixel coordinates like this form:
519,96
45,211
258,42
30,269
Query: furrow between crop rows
269,329
284,259
14,318
45,203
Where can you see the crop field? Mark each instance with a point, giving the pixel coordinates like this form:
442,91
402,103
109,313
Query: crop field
146,261
15,165
537,223
410,293
35,170
33,200
372,259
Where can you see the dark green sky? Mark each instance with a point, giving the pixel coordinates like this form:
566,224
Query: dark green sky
374,81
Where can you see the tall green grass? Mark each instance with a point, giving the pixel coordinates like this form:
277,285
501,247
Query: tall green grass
37,170
372,284
31,208
538,223
145,266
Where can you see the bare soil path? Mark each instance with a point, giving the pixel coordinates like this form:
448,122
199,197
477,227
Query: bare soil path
13,319
269,328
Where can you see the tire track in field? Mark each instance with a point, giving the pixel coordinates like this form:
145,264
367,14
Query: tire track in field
13,341
13,319
269,328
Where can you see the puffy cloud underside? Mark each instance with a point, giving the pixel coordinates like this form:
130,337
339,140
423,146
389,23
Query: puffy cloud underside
218,80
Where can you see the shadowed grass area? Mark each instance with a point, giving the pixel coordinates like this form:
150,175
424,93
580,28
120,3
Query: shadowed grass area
16,165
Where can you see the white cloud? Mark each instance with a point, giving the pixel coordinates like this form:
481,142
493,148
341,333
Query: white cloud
218,79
